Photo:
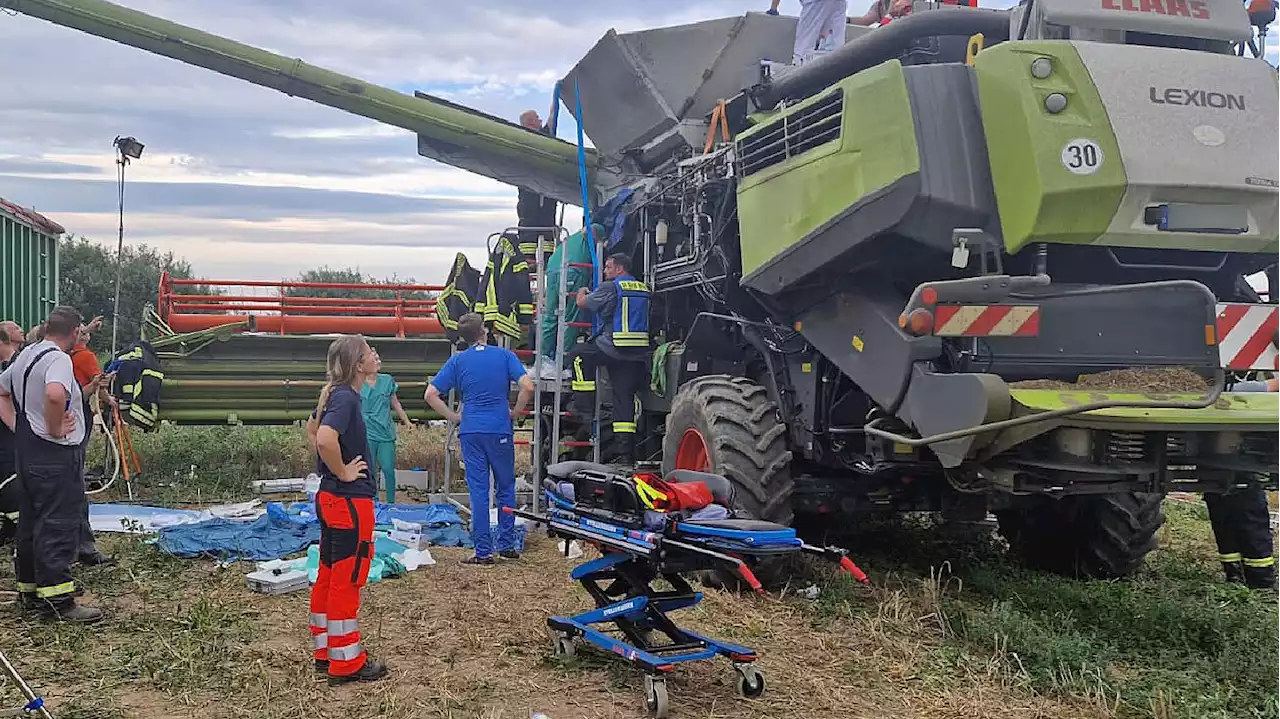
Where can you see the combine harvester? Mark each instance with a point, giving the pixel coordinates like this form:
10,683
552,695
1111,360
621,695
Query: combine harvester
857,264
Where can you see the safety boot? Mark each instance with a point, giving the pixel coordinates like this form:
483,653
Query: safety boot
509,554
372,671
97,559
1260,577
68,611
1234,572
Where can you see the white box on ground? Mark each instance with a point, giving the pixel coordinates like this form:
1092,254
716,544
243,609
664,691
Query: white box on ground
418,479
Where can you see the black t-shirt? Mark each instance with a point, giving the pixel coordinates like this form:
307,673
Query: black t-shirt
342,413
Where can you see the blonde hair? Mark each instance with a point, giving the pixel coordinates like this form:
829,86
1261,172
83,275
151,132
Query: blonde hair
344,357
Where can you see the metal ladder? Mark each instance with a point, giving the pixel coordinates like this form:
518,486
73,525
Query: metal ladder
542,387
35,703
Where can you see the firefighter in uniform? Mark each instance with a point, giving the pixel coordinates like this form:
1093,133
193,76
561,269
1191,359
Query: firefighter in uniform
11,339
532,209
344,506
621,345
40,401
1241,522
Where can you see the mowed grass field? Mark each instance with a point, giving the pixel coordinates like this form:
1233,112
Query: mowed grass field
948,628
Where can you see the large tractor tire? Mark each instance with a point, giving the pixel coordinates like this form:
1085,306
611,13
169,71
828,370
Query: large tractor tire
729,426
1098,536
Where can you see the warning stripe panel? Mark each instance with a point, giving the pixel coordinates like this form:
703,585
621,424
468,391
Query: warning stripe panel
987,321
1247,336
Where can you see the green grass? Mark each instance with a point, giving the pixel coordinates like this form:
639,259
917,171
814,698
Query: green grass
1173,642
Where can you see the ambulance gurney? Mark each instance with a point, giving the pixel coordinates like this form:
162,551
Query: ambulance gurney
647,528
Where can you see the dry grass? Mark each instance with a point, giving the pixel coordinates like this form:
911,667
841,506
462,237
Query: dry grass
466,642
1136,380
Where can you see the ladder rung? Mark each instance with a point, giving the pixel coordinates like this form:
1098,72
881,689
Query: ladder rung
526,443
582,265
582,325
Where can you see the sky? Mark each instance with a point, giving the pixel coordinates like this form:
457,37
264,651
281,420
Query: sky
247,183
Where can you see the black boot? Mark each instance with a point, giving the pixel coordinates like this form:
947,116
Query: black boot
1260,577
1234,572
66,610
370,672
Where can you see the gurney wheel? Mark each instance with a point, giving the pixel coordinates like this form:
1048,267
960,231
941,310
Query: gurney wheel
750,682
563,646
655,696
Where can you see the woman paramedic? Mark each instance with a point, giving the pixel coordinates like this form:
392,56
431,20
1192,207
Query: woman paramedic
344,505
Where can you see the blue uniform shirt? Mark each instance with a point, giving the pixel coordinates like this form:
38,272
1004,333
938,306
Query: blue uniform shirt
342,413
483,376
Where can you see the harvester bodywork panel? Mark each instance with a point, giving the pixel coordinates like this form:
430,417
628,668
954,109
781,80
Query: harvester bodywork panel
1205,136
910,166
1128,139
1039,199
1257,410
781,205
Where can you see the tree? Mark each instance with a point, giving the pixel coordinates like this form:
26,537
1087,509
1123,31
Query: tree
88,283
349,275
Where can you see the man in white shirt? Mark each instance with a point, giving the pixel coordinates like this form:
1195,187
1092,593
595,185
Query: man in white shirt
821,27
40,402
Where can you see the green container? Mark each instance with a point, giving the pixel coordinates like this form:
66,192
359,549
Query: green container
28,265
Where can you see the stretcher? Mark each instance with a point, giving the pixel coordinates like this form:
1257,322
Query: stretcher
594,504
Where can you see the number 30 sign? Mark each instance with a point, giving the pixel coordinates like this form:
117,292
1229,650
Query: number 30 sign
1081,156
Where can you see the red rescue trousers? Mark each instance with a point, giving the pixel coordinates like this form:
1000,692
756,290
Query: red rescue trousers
346,549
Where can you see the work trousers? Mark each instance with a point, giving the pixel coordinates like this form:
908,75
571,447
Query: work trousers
486,455
1241,523
626,379
88,547
51,504
8,496
346,550
821,28
382,460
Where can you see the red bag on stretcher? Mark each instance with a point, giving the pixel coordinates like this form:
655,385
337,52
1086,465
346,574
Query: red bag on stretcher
663,496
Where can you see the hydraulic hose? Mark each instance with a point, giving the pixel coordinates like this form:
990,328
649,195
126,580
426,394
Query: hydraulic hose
1219,384
880,45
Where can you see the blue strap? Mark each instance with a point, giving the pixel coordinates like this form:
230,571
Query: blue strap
586,200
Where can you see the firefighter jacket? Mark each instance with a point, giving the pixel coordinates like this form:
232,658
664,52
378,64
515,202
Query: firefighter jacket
139,381
459,296
506,299
630,313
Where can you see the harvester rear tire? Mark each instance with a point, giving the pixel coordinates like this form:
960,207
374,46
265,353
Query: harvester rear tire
745,440
1096,536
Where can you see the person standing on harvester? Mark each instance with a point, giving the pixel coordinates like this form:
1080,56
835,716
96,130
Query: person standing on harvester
621,304
344,506
40,402
483,374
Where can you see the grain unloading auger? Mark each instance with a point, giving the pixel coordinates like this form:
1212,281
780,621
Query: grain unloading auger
849,291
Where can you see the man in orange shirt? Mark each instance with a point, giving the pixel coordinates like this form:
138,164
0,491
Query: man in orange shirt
88,373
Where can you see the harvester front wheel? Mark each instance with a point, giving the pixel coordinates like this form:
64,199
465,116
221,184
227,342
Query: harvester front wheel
729,426
1100,536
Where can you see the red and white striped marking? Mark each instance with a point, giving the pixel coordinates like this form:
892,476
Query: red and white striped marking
987,321
1247,336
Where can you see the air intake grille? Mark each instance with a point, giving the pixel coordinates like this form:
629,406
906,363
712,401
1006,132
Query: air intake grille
795,134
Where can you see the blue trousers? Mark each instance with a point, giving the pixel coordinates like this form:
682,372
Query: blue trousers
483,454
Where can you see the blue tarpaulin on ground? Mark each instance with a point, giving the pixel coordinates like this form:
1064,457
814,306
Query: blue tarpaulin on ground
288,529
267,537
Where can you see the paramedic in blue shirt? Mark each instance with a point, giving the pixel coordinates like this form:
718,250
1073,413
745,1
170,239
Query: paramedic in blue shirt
483,375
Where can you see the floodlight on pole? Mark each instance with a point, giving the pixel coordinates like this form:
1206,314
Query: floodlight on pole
127,148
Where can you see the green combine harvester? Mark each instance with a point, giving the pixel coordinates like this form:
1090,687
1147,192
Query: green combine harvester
876,295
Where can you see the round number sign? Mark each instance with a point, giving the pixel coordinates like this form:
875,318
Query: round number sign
1082,156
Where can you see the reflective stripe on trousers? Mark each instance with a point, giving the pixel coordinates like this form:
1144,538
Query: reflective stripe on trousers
346,549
